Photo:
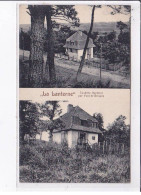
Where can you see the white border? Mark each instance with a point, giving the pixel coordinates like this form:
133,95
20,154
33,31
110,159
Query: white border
8,103
135,131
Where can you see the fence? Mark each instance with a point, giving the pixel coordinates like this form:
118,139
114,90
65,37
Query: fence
95,62
109,148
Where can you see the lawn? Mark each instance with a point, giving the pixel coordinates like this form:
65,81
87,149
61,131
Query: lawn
43,162
66,79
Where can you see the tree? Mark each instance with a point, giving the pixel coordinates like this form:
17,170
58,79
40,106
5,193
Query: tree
51,109
111,36
115,9
24,40
37,13
99,118
122,9
86,44
29,117
59,12
124,38
60,39
121,26
119,131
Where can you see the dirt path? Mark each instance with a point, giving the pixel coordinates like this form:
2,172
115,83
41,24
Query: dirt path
86,69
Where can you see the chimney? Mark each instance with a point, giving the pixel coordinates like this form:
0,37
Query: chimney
70,107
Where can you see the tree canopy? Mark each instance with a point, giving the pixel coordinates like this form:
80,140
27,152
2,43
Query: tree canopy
118,131
29,117
52,110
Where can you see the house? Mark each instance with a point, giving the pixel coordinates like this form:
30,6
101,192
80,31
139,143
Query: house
75,45
80,128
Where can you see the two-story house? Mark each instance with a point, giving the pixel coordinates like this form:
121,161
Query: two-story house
80,128
75,46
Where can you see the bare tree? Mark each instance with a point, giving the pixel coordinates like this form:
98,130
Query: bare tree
86,44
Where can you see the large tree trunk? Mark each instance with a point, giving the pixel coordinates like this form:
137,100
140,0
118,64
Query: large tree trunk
86,45
50,54
37,46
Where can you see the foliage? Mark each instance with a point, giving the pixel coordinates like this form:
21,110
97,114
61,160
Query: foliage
99,118
116,51
124,38
122,9
118,131
42,162
52,109
24,40
121,26
60,38
29,117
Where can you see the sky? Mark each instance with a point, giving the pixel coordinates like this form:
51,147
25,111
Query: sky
84,14
114,103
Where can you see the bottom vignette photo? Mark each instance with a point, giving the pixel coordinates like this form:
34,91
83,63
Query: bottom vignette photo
74,142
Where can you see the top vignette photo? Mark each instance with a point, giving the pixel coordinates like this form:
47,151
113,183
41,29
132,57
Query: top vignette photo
74,46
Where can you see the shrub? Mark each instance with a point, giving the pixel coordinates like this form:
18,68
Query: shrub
42,162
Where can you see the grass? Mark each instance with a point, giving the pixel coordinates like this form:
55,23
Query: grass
66,79
43,162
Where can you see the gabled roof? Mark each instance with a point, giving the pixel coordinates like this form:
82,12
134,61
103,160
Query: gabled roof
79,39
81,114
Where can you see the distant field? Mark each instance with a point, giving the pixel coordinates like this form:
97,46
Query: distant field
98,27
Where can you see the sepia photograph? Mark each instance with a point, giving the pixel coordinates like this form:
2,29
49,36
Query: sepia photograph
74,46
77,141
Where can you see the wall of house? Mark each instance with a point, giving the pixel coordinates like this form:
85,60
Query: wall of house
44,136
73,54
80,53
57,137
74,138
92,138
69,139
64,136
92,52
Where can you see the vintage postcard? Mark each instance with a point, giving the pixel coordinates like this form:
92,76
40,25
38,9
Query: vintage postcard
75,46
84,138
75,67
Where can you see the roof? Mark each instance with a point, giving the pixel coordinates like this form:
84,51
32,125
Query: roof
81,114
79,40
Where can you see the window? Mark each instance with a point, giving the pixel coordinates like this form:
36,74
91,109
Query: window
93,137
70,50
94,125
84,123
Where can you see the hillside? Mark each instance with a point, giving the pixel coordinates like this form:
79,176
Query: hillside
98,27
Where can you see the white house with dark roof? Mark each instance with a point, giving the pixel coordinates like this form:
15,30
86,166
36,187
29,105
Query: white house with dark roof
75,45
80,128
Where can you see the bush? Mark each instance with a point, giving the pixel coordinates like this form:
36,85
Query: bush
45,162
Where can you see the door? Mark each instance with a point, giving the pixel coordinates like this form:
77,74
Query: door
82,138
89,53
